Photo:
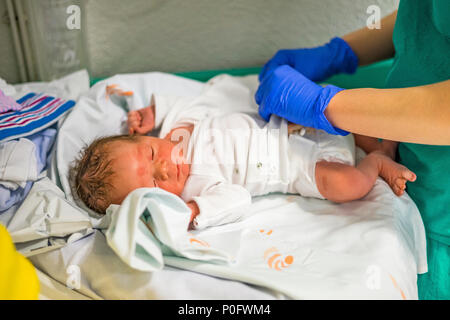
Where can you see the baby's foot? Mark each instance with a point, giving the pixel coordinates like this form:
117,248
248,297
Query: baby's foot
395,174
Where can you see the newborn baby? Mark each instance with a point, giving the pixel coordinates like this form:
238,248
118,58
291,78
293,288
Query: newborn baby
215,152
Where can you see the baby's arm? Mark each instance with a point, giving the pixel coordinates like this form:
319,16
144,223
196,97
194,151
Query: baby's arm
139,121
142,120
218,204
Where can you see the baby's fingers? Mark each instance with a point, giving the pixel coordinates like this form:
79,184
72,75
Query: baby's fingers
141,130
409,175
133,126
294,127
134,119
134,115
145,127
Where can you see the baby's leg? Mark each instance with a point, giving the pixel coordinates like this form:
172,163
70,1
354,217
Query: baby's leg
369,144
341,183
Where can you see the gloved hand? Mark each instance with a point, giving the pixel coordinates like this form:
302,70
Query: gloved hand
318,63
290,95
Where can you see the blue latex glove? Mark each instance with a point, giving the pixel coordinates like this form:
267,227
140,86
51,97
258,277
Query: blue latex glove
317,64
290,95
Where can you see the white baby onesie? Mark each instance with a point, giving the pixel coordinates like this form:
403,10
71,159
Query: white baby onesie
234,154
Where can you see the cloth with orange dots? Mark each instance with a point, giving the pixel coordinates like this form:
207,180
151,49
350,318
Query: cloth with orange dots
304,248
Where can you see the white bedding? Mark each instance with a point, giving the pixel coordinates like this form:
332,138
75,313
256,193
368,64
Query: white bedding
377,243
53,255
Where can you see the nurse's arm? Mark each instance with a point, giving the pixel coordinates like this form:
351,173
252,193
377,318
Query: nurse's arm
416,114
372,45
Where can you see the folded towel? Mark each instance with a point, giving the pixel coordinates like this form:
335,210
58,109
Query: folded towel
151,223
38,112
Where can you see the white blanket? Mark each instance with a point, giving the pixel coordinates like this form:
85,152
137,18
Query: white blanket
305,248
371,248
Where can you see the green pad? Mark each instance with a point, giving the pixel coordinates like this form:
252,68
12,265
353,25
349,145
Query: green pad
371,76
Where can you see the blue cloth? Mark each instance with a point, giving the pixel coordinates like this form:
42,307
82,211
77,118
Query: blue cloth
43,141
39,111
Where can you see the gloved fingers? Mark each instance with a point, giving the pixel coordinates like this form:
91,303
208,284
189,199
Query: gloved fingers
280,58
267,69
266,91
287,93
262,96
259,94
265,114
265,84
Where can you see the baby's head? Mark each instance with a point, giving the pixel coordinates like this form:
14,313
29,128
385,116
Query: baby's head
110,168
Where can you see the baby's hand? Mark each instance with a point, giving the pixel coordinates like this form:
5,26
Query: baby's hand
141,121
194,213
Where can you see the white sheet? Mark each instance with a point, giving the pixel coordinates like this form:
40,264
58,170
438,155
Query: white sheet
102,275
50,289
330,232
304,248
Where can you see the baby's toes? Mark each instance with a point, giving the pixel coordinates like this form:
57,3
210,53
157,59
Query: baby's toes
409,175
398,190
400,183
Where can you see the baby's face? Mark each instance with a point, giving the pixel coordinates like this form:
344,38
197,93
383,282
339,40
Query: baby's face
146,163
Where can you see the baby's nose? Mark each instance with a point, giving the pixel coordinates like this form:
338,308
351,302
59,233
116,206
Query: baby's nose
161,170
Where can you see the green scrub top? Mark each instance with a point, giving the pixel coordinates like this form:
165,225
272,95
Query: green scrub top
422,56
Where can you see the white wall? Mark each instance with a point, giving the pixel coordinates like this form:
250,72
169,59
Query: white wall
8,63
184,35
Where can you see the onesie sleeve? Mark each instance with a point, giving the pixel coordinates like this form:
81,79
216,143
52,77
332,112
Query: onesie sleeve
220,204
163,104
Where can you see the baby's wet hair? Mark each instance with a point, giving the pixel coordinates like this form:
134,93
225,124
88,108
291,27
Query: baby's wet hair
90,174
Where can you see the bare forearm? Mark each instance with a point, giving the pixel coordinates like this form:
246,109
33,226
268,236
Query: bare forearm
371,45
417,114
370,144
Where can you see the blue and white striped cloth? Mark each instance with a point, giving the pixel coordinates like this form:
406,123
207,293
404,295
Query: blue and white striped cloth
38,112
